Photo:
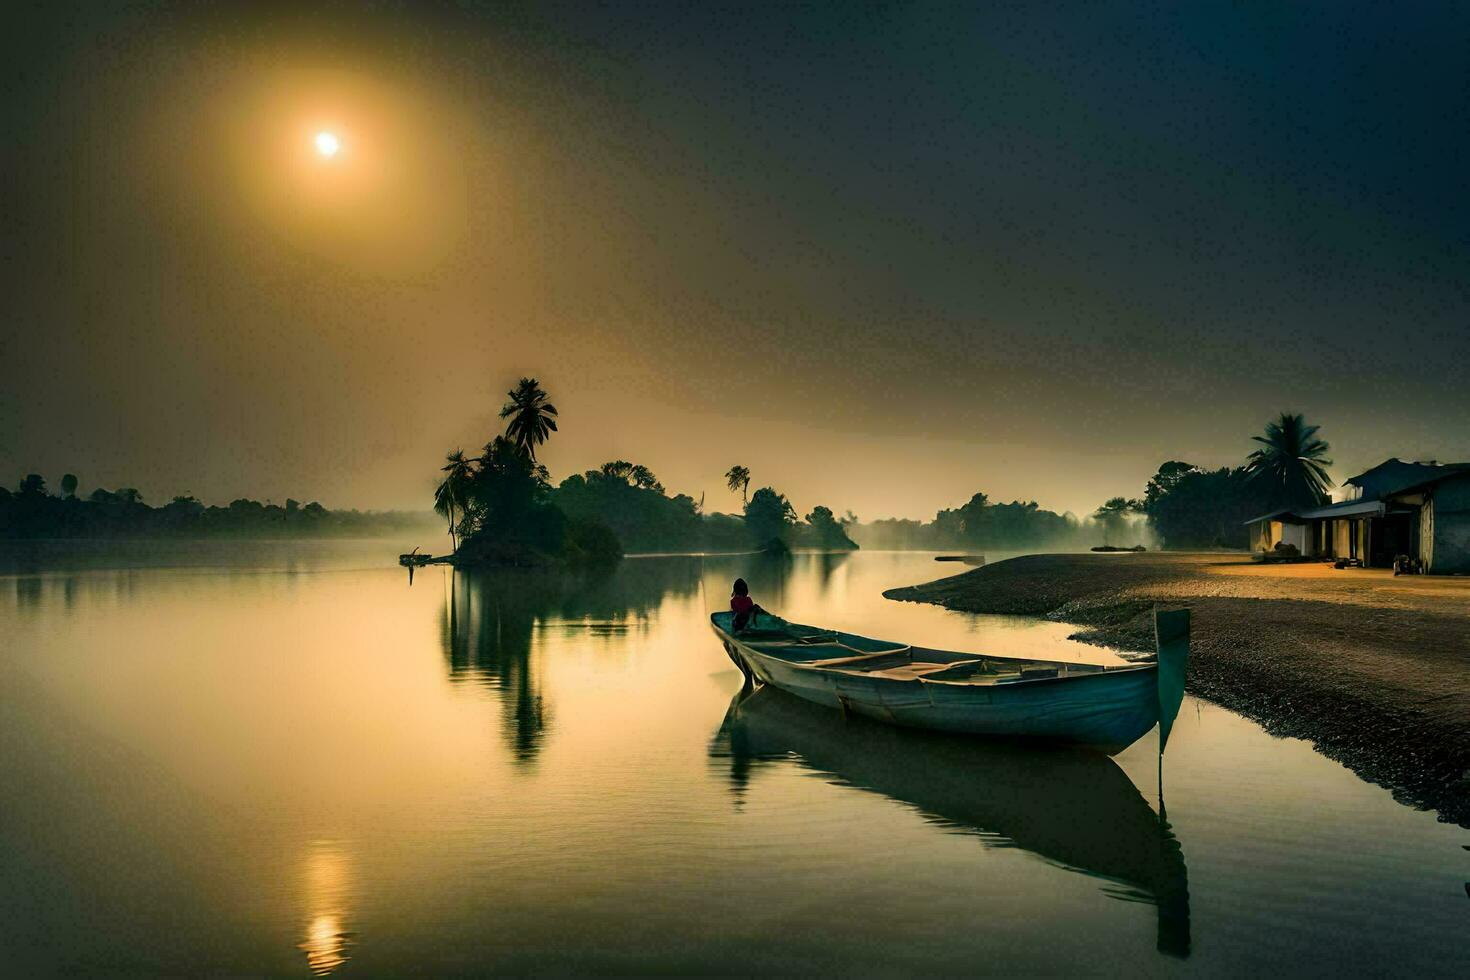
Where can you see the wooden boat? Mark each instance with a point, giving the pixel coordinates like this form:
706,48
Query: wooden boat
1106,707
1070,806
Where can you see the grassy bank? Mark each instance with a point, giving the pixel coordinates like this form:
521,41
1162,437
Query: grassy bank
1374,670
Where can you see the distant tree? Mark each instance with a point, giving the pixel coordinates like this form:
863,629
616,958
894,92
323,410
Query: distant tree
644,479
507,485
242,508
827,532
1165,480
34,485
183,511
976,519
1188,507
633,474
510,518
630,500
453,492
293,507
821,517
314,510
1292,462
617,469
532,417
69,486
768,517
737,478
128,495
1113,515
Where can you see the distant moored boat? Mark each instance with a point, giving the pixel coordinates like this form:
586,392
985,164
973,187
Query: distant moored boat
967,559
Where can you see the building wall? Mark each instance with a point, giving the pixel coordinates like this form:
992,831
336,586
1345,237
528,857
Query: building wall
1448,530
1426,533
1265,535
1295,534
1261,535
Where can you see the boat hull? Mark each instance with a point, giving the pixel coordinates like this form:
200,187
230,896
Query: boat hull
1108,710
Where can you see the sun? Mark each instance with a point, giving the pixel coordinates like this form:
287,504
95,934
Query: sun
327,144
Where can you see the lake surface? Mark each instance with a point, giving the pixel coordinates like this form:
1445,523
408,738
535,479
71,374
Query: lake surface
284,759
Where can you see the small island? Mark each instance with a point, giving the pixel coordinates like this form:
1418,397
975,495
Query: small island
502,510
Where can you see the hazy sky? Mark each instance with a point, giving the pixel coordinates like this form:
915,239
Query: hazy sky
884,255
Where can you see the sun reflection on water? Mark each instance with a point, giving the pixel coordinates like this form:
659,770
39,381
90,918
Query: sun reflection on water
328,880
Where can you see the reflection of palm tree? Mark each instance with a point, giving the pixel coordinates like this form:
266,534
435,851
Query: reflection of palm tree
1073,807
737,478
1293,462
488,628
532,417
488,624
450,496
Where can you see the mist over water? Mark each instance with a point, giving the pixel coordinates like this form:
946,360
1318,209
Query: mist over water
298,763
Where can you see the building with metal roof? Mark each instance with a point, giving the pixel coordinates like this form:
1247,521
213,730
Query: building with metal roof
1420,511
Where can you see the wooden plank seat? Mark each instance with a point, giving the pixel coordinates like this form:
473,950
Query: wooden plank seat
908,671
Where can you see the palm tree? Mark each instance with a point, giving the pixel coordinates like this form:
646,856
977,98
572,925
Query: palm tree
532,417
1292,461
450,495
737,478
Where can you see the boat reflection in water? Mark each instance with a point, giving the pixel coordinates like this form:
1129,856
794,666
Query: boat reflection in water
328,885
1070,806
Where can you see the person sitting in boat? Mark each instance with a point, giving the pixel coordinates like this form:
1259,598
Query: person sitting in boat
742,605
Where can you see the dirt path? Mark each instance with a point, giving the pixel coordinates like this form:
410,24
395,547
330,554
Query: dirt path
1374,670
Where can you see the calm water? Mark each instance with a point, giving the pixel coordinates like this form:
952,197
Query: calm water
284,759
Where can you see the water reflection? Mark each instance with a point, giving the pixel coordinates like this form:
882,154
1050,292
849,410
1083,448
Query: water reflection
490,621
1073,808
825,564
28,592
486,630
328,886
767,576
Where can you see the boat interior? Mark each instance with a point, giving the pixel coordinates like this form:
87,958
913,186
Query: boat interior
850,653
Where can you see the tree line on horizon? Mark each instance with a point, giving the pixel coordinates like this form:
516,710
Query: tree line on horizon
32,511
622,506
1183,505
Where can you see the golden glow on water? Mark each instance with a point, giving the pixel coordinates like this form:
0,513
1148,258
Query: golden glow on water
343,773
328,882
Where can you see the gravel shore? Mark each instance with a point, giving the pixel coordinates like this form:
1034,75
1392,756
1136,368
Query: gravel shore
1374,670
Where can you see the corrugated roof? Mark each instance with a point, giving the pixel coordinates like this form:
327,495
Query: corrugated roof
1275,515
1395,475
1457,469
1348,508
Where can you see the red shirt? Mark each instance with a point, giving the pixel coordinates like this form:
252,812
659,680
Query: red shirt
741,603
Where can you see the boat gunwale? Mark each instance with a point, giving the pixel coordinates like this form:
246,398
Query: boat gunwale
1104,671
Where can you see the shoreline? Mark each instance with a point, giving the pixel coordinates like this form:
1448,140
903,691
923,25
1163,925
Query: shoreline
1373,670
